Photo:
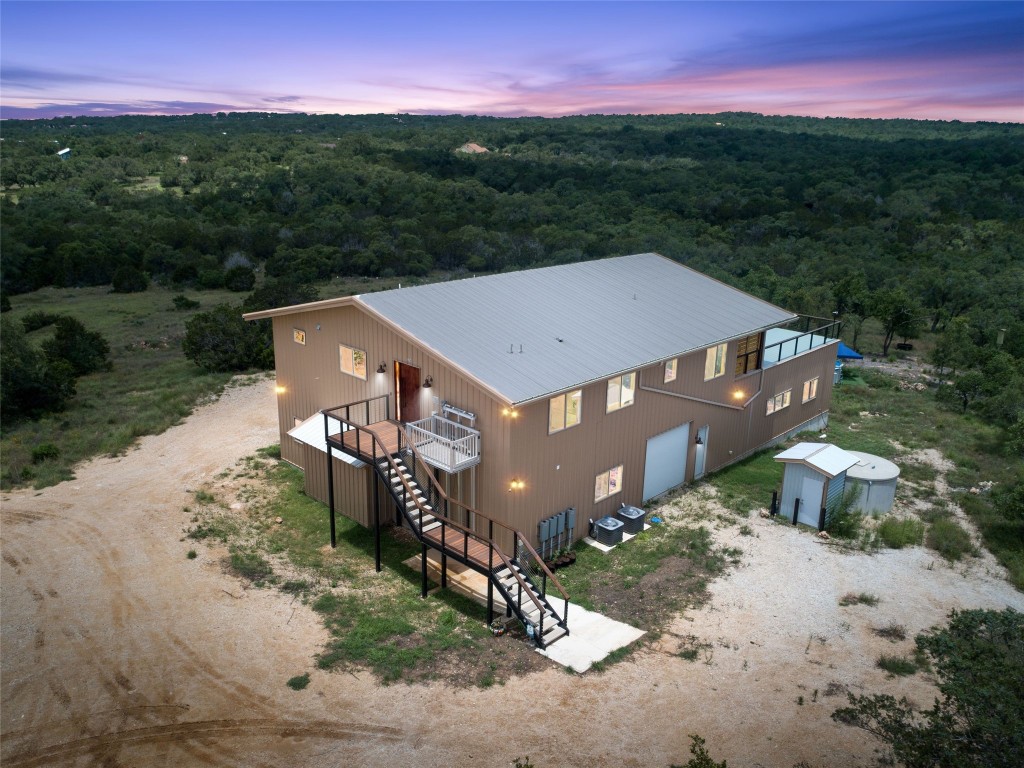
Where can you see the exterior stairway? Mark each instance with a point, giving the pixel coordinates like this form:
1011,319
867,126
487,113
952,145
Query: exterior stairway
423,510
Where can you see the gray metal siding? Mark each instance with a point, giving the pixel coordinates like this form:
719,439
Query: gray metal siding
834,495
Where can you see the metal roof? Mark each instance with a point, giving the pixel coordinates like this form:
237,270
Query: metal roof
532,333
824,457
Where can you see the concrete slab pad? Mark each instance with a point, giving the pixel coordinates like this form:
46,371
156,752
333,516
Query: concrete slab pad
592,636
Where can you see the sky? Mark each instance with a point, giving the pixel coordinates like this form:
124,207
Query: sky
921,60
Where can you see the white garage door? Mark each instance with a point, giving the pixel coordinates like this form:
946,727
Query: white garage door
666,461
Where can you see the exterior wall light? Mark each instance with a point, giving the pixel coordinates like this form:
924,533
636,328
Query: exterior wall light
516,484
738,394
428,382
512,413
280,390
382,368
698,441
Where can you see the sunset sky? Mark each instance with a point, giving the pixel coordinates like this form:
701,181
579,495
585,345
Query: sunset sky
930,60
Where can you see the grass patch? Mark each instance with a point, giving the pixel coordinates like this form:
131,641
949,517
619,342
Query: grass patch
250,565
892,631
899,533
947,537
748,485
897,666
299,682
863,598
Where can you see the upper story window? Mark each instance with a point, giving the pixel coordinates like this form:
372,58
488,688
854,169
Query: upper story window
670,369
748,354
564,411
299,336
353,362
810,389
621,391
714,365
779,402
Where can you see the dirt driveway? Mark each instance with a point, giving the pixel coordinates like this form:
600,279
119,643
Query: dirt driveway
118,650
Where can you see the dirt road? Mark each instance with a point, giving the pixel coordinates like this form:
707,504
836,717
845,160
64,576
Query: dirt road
118,650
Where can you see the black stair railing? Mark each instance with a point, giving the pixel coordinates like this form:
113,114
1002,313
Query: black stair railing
413,474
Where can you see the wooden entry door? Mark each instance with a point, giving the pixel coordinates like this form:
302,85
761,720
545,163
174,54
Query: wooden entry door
407,392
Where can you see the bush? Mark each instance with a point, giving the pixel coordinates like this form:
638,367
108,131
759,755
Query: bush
950,540
845,520
240,278
897,534
33,321
129,279
182,302
84,350
44,452
30,384
979,720
298,682
220,340
898,666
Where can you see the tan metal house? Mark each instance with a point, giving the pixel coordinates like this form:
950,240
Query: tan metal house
480,408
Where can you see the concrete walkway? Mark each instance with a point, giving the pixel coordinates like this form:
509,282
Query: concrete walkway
591,636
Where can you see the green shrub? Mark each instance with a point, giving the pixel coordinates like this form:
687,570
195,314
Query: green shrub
897,534
845,520
250,565
298,682
183,302
950,540
899,666
84,350
33,321
44,452
864,598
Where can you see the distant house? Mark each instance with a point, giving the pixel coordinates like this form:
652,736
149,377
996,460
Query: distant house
64,154
472,149
480,408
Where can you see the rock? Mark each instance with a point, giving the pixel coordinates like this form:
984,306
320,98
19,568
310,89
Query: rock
278,520
824,535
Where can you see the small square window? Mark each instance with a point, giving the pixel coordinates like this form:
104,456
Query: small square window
778,402
608,483
621,392
564,411
299,336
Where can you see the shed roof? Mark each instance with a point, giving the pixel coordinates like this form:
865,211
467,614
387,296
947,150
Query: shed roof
824,457
526,335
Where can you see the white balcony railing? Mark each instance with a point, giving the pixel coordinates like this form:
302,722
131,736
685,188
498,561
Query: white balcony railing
445,444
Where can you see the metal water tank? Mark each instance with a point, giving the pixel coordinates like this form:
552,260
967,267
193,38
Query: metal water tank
876,477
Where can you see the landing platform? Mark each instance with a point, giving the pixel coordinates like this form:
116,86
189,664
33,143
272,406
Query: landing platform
591,637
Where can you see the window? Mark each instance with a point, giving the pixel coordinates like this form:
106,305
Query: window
779,402
353,362
748,354
608,483
810,389
670,369
620,392
299,336
714,365
564,411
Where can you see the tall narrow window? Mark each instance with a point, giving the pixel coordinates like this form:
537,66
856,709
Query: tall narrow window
670,369
810,389
564,411
714,364
353,362
621,391
608,483
748,354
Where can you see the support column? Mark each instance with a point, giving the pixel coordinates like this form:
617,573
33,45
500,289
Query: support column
376,521
423,574
330,492
444,569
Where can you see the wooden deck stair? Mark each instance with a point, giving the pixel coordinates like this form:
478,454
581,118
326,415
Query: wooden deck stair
424,508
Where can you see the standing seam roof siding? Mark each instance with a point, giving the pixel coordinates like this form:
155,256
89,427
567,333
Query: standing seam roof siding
612,315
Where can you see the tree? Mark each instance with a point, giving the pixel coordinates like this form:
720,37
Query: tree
979,720
30,384
968,387
129,279
220,340
899,313
954,348
84,350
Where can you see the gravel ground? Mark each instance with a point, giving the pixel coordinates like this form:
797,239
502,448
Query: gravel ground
118,650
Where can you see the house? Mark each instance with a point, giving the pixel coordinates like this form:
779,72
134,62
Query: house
484,406
64,154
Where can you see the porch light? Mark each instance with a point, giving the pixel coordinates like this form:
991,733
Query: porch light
516,484
738,394
382,368
279,389
510,412
428,382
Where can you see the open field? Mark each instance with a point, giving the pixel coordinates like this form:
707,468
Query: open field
117,648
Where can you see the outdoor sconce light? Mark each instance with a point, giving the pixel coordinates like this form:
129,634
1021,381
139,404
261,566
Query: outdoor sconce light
698,441
428,382
279,389
510,412
382,368
516,484
738,394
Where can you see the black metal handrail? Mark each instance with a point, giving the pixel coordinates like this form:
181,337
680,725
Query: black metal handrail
440,503
829,330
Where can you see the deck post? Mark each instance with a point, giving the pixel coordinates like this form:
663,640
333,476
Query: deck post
821,519
376,521
444,569
423,574
490,596
330,490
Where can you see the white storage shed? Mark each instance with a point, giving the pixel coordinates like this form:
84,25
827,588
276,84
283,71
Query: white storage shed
814,479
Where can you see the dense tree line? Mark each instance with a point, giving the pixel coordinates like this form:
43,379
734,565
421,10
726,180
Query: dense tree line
915,223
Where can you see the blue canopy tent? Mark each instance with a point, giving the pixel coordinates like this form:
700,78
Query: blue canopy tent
843,352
